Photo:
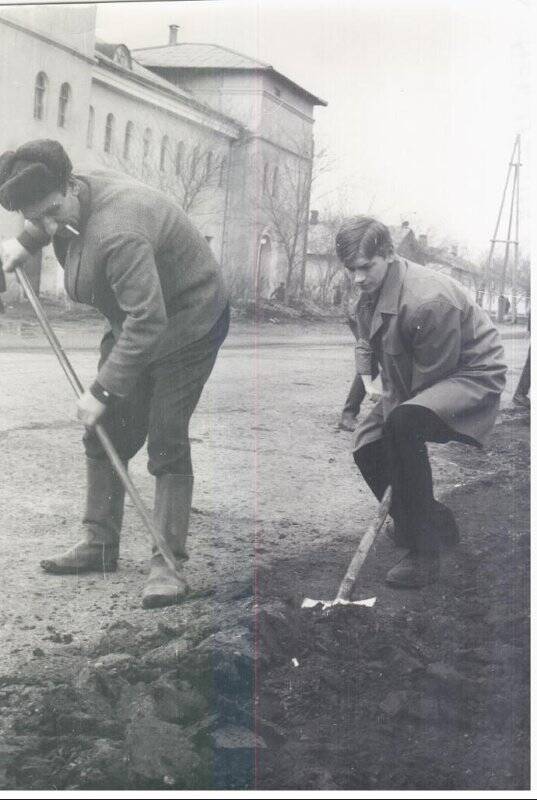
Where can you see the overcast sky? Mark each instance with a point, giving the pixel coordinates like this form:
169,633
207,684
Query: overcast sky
424,98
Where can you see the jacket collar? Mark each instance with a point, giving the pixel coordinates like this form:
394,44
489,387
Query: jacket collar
84,198
390,291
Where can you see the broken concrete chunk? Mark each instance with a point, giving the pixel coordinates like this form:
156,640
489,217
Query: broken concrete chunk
234,737
157,750
180,703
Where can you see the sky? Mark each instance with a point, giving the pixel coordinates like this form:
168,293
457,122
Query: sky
424,98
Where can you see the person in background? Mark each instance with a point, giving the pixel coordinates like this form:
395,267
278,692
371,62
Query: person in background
520,397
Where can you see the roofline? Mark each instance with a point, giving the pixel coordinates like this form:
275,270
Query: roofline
262,66
190,101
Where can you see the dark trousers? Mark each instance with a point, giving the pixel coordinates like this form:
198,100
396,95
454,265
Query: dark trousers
525,379
355,396
160,406
400,458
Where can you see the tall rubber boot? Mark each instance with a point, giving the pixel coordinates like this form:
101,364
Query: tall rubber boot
98,551
173,500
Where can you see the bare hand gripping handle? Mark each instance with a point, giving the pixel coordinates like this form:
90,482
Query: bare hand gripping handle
108,447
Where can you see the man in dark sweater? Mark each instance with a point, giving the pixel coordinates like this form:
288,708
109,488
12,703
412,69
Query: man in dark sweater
129,251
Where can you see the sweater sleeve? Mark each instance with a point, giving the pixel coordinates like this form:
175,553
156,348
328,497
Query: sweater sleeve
132,275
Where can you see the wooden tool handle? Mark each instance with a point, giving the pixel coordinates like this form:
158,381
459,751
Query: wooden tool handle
347,584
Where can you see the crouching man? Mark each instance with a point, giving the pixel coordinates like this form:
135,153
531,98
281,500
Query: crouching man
442,371
129,251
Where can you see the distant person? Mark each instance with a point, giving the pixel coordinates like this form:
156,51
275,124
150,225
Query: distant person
442,368
520,397
279,293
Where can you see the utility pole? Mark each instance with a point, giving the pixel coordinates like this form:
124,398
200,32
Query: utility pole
514,173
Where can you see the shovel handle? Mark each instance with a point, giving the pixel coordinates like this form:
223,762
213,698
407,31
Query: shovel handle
105,440
347,584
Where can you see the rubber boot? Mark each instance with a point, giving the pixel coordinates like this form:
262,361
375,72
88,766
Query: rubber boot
173,500
99,549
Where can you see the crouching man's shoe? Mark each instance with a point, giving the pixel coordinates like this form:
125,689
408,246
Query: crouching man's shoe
415,570
164,587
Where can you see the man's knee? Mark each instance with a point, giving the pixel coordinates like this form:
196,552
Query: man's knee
403,423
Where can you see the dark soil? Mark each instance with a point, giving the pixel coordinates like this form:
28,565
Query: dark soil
427,690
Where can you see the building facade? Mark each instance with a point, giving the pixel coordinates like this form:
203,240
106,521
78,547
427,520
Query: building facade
229,137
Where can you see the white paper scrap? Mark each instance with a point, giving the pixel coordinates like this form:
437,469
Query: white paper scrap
309,603
294,662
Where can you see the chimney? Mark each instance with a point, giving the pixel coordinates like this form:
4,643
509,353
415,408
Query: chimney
422,239
454,250
314,217
173,34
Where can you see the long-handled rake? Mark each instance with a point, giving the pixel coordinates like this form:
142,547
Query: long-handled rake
347,584
108,447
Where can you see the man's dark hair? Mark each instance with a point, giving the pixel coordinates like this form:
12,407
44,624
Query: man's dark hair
32,171
365,237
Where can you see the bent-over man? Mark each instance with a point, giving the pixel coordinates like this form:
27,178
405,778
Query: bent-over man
129,251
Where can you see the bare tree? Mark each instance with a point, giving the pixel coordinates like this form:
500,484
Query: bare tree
284,203
326,266
189,174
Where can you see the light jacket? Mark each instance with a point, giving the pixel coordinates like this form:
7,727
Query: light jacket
142,263
435,348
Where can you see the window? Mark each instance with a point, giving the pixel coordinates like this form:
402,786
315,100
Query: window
147,144
208,165
164,149
179,151
91,127
275,182
129,130
63,104
40,90
265,178
222,174
109,133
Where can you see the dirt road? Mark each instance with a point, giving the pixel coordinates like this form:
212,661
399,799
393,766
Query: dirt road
275,484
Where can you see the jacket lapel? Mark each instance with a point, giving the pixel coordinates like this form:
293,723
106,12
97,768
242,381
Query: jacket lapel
390,292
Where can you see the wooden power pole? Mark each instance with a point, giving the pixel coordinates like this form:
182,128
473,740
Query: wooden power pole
513,178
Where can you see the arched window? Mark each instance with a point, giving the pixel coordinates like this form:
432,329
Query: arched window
208,165
91,127
147,144
194,162
275,182
109,133
129,130
222,173
63,105
40,89
265,177
164,151
179,151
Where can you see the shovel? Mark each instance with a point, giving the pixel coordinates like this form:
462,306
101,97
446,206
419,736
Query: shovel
105,440
347,584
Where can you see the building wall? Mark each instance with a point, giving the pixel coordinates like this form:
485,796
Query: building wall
231,208
62,55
